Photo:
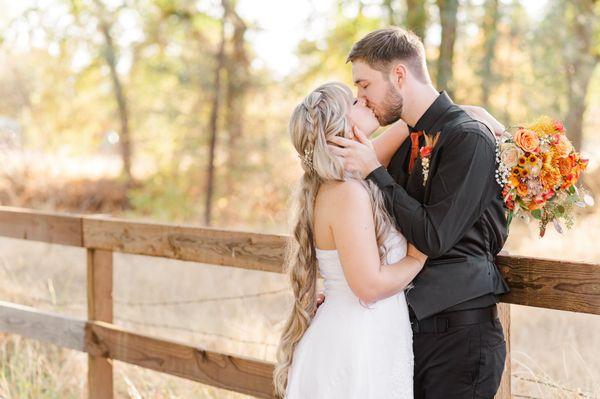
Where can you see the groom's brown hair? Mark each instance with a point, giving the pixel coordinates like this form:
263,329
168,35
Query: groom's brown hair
383,46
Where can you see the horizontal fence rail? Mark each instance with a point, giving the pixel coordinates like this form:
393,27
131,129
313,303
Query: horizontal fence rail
97,338
543,283
539,282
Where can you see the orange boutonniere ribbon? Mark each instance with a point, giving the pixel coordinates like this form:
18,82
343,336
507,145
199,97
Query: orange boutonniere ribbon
425,153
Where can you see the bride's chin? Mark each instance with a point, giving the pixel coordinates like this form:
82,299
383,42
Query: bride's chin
372,129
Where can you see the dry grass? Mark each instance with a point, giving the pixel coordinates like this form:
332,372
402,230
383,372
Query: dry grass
555,354
559,349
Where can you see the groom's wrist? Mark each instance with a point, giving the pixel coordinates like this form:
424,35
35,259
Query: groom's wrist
380,176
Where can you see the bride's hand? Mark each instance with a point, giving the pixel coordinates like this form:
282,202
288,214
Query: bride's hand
415,253
483,116
320,299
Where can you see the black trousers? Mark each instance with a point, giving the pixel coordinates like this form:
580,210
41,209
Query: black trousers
462,362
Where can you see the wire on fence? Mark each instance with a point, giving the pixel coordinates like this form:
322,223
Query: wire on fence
165,303
191,330
177,302
202,300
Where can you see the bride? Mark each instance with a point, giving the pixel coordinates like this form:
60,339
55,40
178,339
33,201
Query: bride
359,343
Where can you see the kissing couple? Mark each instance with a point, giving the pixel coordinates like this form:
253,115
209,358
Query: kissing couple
403,230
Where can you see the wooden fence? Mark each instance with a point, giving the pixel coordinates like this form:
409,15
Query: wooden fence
544,283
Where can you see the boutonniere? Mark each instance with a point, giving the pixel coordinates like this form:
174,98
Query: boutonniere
425,153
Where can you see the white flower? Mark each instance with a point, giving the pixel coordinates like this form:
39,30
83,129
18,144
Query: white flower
510,154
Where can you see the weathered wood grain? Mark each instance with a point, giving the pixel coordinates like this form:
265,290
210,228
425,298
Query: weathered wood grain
33,225
100,307
552,284
219,247
100,339
251,377
29,322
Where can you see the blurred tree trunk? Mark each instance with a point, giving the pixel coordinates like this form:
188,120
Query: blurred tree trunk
237,87
508,73
448,10
581,57
416,17
111,60
391,12
490,37
214,117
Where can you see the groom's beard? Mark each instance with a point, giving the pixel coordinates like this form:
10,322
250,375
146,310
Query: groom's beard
391,107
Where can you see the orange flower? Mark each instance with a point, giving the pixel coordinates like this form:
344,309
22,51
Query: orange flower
527,140
570,179
550,178
533,205
522,190
565,165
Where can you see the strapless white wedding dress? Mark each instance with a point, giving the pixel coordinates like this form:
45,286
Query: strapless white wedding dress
351,351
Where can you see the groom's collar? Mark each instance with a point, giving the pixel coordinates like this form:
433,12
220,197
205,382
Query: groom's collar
433,113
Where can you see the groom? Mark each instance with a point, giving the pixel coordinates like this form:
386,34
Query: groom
444,200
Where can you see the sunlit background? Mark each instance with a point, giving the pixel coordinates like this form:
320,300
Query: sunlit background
115,107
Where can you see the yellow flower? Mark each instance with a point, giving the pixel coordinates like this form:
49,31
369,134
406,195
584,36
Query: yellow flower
532,159
543,125
548,158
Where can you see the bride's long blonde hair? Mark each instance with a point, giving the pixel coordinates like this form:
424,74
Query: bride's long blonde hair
321,115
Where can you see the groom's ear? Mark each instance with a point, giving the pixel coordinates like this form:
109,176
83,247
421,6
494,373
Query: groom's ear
398,74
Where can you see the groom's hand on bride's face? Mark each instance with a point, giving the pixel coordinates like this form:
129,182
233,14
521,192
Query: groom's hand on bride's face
357,156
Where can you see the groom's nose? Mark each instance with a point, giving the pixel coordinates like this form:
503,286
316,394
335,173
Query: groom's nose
360,93
362,96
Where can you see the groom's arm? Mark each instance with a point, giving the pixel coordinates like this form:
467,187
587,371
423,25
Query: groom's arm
461,188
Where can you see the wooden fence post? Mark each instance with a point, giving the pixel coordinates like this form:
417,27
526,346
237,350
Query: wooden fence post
504,315
100,307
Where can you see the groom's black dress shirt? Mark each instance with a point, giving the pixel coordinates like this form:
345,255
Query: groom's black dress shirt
457,218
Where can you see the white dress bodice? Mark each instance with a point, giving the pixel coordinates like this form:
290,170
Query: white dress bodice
352,350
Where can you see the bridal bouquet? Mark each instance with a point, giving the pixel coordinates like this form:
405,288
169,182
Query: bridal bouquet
538,170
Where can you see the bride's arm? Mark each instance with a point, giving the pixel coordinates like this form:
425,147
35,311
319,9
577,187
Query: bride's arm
388,142
354,235
486,118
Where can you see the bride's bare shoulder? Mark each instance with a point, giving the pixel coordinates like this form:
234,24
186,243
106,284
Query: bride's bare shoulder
343,194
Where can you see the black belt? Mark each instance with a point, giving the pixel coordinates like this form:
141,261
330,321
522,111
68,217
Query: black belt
443,321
